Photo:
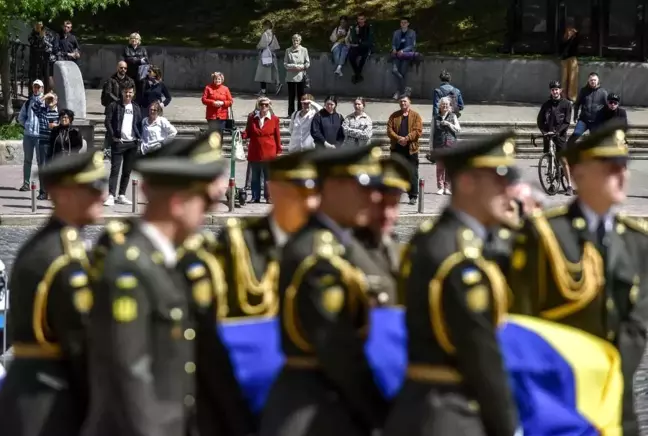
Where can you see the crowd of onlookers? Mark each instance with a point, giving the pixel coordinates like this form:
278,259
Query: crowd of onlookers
135,96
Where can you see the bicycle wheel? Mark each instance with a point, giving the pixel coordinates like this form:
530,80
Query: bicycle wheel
547,174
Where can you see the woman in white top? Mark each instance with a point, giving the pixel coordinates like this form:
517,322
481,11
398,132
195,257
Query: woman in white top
156,129
340,39
300,125
357,126
446,128
266,71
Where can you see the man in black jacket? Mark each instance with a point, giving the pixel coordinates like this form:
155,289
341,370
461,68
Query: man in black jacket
553,122
591,99
112,91
124,128
611,110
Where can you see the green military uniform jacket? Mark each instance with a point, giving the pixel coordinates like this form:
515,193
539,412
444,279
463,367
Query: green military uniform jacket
142,339
558,273
455,299
46,389
326,387
221,405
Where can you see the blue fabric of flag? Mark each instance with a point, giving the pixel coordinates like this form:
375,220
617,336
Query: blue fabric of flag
255,351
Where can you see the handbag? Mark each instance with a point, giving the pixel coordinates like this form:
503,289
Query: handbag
142,71
237,146
306,80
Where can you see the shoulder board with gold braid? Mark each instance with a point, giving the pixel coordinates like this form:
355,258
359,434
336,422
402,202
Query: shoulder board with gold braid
637,224
73,245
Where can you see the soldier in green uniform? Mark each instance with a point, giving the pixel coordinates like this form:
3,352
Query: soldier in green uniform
326,386
240,269
378,238
455,299
583,264
142,329
46,391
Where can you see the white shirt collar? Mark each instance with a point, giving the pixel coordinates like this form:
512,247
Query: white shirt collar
593,219
160,242
280,237
267,116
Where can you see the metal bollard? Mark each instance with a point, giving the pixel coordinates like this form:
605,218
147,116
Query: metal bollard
34,205
135,195
232,194
421,197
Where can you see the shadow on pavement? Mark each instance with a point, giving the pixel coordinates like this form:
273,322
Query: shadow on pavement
22,206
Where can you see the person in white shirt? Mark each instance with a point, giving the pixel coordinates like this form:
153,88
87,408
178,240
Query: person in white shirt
124,127
156,130
300,125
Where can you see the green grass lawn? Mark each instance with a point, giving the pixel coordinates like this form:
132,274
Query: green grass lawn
467,27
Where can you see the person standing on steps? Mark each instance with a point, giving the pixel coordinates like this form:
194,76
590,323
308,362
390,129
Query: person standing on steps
326,128
446,126
217,100
296,62
569,62
29,118
124,125
591,98
404,129
266,70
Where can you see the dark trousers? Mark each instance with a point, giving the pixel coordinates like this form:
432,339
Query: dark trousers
126,153
295,89
357,58
258,170
413,159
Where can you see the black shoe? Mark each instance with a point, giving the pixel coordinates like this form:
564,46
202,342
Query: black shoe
42,196
569,192
413,201
256,200
24,187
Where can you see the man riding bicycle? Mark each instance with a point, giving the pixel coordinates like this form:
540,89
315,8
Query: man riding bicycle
553,121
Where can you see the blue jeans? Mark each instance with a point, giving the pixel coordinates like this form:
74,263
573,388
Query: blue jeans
258,170
580,128
340,53
399,70
31,144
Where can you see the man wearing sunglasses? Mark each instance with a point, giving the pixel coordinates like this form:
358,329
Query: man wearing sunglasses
143,340
612,110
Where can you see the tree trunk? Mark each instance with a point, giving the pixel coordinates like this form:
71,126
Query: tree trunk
5,80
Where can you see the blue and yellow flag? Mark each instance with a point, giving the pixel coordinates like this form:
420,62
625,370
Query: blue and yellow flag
566,382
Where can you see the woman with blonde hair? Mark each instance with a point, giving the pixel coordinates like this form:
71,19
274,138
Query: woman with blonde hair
217,99
446,127
569,62
263,132
135,56
296,61
156,129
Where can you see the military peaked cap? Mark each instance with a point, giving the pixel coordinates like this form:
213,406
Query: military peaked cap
359,163
396,174
297,168
76,169
496,152
606,143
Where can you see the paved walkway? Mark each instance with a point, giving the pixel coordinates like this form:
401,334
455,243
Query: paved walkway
186,106
15,206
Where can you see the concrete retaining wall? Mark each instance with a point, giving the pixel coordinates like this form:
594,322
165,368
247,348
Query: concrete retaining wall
479,79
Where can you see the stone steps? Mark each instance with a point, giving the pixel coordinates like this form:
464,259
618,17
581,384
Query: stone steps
525,132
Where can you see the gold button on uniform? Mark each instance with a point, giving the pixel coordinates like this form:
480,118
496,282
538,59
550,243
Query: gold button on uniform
189,400
190,367
609,304
176,314
190,334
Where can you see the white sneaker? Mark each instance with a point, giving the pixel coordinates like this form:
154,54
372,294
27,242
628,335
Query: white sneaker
447,192
123,200
338,70
110,201
440,192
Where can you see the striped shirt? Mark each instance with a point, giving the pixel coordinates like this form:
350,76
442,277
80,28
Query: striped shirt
50,115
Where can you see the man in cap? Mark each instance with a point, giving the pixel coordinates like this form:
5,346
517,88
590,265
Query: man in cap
581,264
242,268
141,325
378,237
326,386
46,389
455,299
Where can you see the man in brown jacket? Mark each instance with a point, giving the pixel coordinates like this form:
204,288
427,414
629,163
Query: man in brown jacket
404,129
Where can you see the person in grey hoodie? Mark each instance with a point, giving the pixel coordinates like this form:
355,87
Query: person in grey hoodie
591,99
326,127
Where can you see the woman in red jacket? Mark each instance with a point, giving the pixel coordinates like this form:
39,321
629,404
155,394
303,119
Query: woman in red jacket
262,130
218,100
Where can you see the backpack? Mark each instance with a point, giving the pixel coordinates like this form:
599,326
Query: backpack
451,94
